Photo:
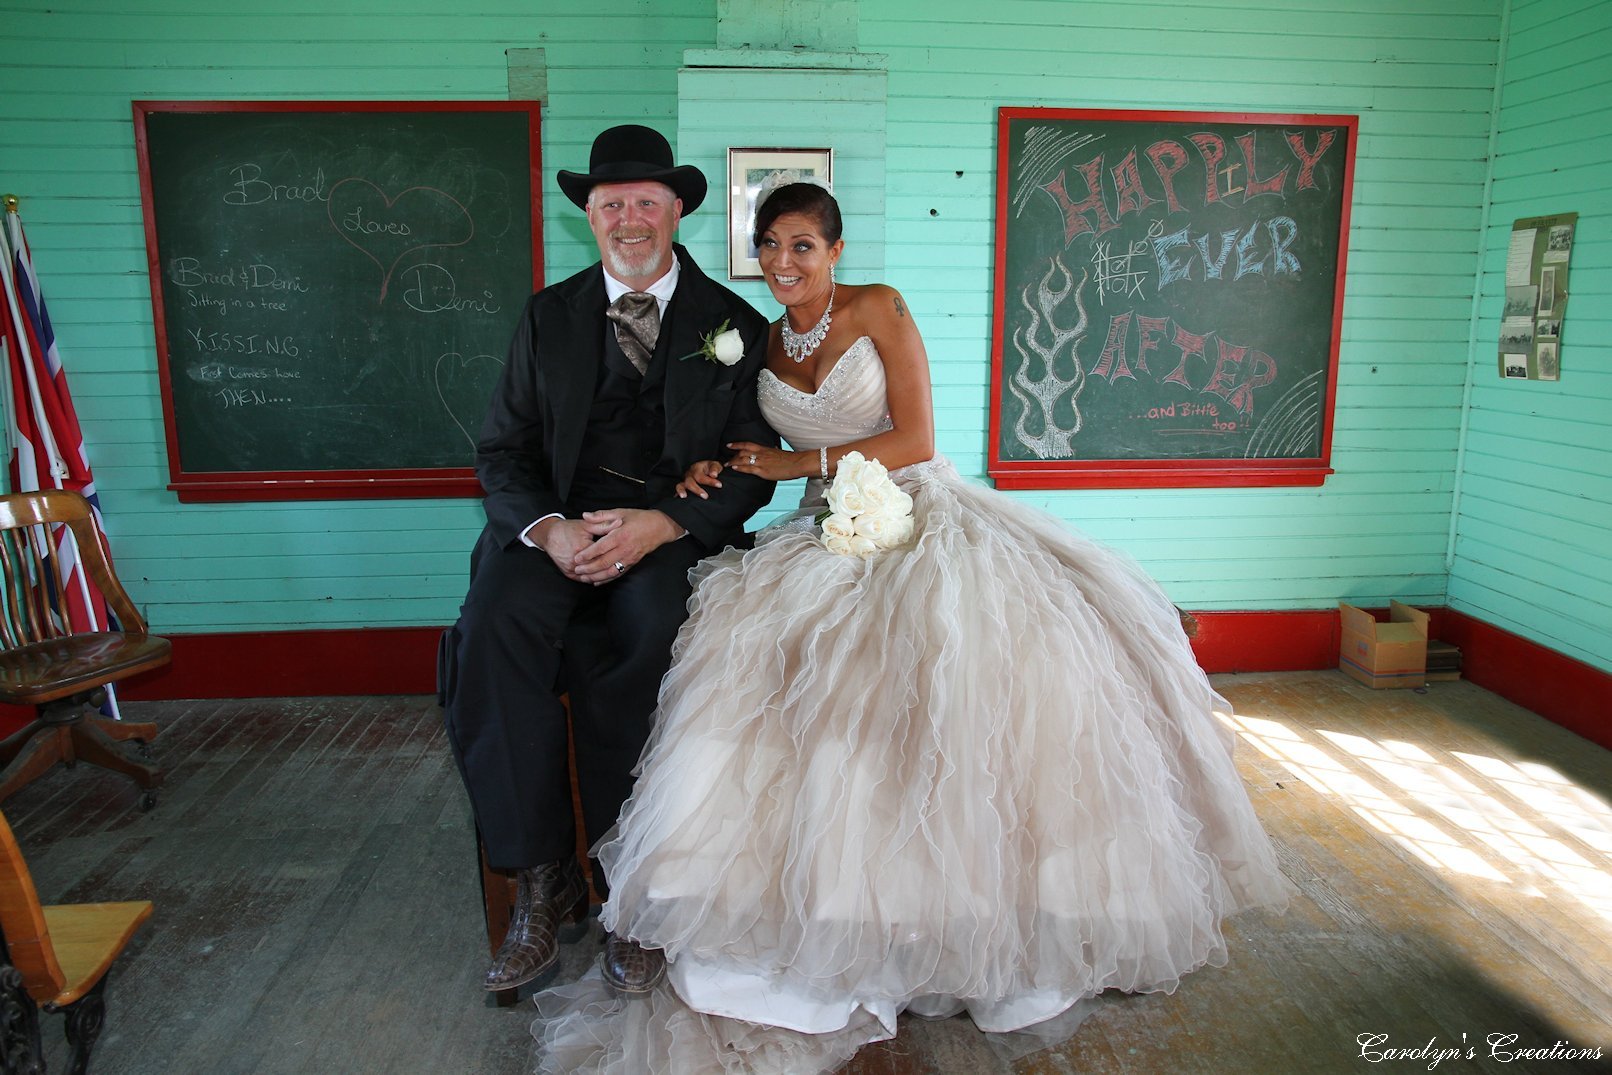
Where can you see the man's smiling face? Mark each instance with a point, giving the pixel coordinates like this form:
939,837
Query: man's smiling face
633,225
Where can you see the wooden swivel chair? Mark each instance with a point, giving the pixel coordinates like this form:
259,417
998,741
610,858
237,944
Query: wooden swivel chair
55,958
64,675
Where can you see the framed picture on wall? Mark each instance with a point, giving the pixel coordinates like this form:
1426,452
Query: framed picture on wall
748,169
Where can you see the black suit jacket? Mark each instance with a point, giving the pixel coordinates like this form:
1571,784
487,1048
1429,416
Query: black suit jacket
526,457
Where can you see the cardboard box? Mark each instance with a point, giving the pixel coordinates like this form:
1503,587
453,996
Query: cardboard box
1383,655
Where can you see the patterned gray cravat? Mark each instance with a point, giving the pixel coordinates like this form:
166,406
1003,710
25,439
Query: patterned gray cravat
637,319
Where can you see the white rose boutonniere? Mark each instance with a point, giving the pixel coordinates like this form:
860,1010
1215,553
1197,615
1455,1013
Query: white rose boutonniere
867,512
722,345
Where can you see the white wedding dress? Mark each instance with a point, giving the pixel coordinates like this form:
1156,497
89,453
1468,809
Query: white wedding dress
979,773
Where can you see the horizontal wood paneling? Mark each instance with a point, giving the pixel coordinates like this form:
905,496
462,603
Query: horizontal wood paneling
1420,76
1420,73
1533,544
69,74
721,108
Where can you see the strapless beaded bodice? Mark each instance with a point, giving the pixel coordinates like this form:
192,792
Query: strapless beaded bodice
850,403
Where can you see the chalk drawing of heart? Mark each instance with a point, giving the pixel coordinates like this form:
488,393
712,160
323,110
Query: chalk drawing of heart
388,229
464,385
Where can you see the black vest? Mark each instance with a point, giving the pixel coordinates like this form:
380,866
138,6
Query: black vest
625,434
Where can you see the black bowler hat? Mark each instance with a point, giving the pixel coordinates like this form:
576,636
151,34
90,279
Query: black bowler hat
631,154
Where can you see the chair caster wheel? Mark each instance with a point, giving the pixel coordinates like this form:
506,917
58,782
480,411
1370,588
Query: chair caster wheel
143,748
147,802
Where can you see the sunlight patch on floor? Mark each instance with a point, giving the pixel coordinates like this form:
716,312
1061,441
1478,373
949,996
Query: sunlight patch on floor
1520,824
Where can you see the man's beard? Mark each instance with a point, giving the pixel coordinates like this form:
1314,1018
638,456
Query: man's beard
624,264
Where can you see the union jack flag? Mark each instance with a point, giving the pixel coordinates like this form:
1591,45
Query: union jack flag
47,447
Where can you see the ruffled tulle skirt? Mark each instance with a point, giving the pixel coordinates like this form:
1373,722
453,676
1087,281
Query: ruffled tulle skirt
982,772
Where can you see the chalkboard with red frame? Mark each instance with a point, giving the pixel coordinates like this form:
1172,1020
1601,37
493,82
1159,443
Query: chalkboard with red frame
334,285
1168,297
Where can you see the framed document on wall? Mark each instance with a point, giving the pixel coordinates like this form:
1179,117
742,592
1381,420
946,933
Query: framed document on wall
1168,297
1536,297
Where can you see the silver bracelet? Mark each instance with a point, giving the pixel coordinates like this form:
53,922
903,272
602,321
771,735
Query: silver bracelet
822,461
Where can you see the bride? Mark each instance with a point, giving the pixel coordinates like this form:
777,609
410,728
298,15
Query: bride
979,772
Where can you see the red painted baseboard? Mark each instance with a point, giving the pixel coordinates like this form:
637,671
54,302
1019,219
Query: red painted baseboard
1274,641
1559,688
402,660
285,664
1567,691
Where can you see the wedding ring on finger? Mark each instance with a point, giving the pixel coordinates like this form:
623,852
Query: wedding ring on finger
752,460
620,567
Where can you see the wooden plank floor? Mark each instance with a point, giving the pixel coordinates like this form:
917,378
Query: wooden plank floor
317,903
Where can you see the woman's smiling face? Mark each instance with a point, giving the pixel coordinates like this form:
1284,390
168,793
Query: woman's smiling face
796,259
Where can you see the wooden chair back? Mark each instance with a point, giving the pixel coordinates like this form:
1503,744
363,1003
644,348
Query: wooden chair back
31,605
22,922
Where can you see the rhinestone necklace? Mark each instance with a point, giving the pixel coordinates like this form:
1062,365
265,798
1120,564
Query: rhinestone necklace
800,345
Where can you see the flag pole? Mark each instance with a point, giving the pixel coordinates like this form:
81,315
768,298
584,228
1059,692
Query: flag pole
9,245
11,202
58,467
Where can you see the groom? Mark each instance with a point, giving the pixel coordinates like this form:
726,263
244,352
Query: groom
605,401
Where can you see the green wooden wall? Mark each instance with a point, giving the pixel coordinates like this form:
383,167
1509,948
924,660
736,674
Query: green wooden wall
1533,528
69,73
1420,73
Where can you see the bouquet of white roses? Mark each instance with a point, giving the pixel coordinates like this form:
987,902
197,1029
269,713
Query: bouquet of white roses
867,512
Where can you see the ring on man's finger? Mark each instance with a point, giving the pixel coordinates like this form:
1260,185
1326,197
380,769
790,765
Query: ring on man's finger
620,567
752,460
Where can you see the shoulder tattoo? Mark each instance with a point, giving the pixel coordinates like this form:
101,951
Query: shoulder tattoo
901,310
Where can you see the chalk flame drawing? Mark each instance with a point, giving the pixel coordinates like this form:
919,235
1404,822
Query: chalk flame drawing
1040,395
